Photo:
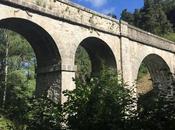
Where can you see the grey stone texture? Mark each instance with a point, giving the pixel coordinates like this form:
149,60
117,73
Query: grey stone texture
56,29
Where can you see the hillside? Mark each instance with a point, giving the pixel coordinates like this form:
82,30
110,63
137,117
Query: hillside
170,36
157,17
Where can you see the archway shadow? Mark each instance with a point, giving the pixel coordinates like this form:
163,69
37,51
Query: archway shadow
99,53
48,71
162,82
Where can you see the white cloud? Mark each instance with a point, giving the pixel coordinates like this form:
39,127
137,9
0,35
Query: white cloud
107,11
97,3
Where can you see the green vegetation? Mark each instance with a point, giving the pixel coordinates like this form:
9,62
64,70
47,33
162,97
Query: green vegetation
43,114
142,71
82,60
5,124
98,103
170,36
17,82
155,17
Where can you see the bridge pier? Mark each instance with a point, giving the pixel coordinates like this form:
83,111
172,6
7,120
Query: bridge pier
70,26
68,74
52,81
126,59
48,82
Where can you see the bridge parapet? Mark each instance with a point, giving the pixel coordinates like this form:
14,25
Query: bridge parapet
78,15
70,12
139,35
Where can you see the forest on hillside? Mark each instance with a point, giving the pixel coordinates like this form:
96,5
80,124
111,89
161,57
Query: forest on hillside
157,17
100,102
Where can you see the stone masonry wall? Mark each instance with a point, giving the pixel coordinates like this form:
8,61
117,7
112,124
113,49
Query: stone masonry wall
82,16
69,24
72,13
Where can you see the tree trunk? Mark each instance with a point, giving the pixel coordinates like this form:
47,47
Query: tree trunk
5,69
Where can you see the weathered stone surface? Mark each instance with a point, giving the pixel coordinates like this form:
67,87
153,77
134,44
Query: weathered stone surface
71,12
150,39
56,29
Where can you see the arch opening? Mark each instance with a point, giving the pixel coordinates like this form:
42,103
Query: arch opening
17,68
154,80
98,55
48,68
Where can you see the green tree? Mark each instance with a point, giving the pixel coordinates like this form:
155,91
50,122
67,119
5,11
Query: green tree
159,114
44,114
155,19
83,63
17,80
137,18
112,15
14,51
100,103
151,18
169,8
127,16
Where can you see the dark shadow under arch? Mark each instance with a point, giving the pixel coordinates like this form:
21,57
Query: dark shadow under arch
46,51
158,69
161,78
99,53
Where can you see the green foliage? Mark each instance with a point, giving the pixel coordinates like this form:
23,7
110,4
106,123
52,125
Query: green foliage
5,124
100,103
20,111
97,103
18,92
127,16
169,8
152,18
159,115
83,63
142,71
37,113
170,36
20,82
44,114
112,15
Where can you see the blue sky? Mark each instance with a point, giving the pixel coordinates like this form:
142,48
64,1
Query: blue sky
108,6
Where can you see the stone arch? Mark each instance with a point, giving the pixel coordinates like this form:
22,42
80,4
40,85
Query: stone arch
99,53
160,73
48,57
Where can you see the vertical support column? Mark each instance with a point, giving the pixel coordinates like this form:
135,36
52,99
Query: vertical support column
52,81
48,82
68,74
126,59
125,52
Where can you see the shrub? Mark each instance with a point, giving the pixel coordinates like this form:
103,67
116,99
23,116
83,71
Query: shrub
99,103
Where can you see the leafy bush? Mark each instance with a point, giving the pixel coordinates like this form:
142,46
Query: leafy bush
5,124
160,115
44,114
99,103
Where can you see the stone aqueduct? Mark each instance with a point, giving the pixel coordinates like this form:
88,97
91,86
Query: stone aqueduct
56,29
